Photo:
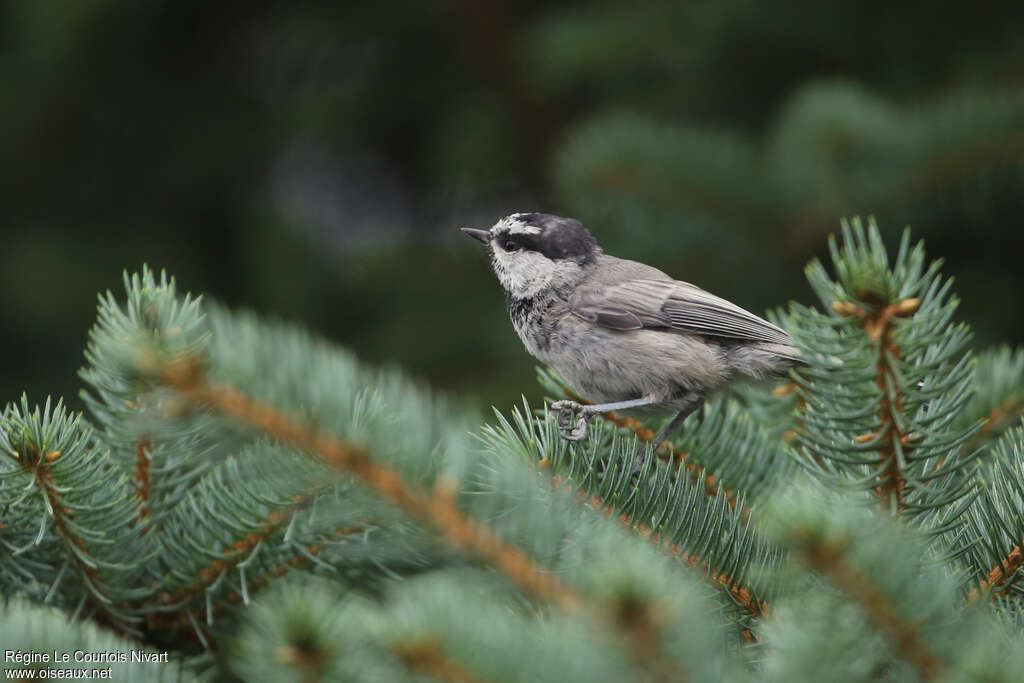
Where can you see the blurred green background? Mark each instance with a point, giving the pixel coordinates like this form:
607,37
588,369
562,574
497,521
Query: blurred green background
312,160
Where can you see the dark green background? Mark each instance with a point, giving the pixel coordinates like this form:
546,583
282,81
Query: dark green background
313,160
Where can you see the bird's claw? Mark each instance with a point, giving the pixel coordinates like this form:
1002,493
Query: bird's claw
572,419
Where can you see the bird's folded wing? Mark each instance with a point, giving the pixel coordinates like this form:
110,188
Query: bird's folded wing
672,305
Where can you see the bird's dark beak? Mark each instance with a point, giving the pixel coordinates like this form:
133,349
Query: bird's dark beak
477,234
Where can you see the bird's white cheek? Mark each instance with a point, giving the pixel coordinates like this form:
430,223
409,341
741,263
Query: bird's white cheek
524,275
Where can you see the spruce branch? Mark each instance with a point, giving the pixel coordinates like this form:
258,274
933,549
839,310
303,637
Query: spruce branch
998,400
240,551
428,658
827,556
881,600
293,632
302,558
39,465
82,500
252,518
1008,411
163,466
187,378
461,625
888,382
721,582
1002,576
677,458
179,611
672,511
327,387
27,627
993,532
878,328
877,564
888,375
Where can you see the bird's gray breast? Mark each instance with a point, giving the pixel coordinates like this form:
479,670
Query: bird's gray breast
577,350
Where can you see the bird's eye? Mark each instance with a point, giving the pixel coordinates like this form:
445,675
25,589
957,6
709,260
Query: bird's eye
510,245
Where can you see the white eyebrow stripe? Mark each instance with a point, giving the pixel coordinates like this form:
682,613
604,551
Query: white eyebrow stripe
520,229
514,226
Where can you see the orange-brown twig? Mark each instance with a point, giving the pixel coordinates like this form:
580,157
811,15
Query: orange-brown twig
878,327
828,558
427,657
1001,577
1006,412
40,465
308,657
440,510
997,415
179,619
239,552
640,621
296,562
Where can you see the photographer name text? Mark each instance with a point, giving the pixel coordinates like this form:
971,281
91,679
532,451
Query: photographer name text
83,657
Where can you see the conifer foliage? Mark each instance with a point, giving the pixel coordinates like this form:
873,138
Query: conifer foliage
257,503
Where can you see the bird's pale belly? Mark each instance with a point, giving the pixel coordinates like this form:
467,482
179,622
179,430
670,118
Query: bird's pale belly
608,365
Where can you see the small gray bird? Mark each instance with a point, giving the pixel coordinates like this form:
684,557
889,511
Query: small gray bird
623,334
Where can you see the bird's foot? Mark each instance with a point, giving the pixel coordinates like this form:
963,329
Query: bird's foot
572,419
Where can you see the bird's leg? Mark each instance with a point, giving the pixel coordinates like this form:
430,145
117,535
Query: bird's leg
676,422
573,416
